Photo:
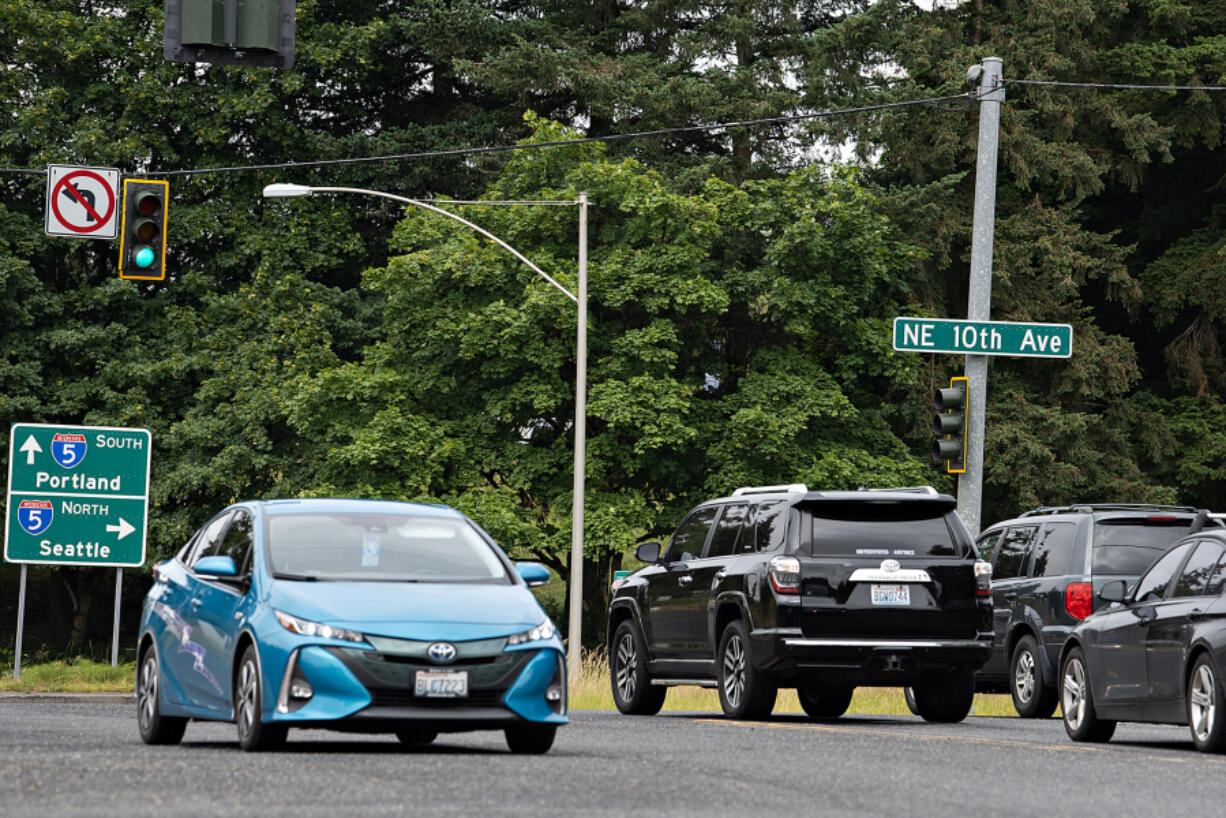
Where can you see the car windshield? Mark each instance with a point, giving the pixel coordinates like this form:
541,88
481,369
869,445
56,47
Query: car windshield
880,529
1128,547
380,548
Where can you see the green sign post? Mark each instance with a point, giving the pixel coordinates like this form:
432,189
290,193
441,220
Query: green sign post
77,495
957,337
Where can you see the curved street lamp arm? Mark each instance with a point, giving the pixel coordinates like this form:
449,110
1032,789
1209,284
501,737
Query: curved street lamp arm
459,219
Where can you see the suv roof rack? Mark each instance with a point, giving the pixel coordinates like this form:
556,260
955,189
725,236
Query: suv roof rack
789,488
1086,508
911,489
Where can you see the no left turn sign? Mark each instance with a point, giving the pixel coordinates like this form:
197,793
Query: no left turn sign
81,202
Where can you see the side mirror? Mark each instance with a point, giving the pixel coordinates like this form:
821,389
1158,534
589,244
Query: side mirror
215,567
1114,591
648,552
532,573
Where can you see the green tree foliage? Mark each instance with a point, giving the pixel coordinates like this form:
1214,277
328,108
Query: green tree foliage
737,337
1092,187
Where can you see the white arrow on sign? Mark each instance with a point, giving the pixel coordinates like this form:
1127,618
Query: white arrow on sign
124,528
30,447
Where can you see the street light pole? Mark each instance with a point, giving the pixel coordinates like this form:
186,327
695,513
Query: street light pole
574,634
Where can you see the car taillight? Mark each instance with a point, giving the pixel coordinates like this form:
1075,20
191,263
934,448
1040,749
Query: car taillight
983,578
1079,599
785,575
1162,518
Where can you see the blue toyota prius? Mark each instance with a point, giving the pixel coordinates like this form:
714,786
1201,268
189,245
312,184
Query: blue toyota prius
356,615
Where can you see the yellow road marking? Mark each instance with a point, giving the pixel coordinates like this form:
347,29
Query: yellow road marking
995,742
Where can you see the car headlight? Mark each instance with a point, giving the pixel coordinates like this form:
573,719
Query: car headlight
305,627
545,630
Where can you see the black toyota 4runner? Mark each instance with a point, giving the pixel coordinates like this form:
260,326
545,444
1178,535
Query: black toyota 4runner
821,591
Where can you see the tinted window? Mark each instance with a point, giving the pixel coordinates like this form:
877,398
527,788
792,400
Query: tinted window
1157,579
771,521
1054,550
209,538
1013,555
1131,546
381,547
691,535
986,544
1194,578
880,529
237,543
728,530
1217,580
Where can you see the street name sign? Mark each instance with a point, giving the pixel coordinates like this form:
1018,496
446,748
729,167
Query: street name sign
77,495
81,202
957,337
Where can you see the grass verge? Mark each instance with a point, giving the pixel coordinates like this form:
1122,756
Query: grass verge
71,676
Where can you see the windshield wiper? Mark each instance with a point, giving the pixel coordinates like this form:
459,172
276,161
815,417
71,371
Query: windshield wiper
298,577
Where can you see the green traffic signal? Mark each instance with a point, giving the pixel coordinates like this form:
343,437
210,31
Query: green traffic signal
142,238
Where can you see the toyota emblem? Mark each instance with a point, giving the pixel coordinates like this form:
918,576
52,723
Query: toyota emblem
444,652
889,566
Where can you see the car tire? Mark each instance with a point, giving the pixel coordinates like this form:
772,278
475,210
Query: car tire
908,696
744,691
945,699
633,692
532,739
825,701
254,734
1081,722
416,738
1031,698
154,727
1206,702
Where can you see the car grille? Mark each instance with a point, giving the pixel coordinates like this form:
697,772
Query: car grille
395,697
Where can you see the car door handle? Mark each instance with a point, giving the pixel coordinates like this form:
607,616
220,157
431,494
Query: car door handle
685,579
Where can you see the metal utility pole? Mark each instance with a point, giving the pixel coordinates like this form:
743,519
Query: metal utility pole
979,303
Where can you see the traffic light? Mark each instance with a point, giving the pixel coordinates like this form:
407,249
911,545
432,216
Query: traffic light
142,236
236,32
949,425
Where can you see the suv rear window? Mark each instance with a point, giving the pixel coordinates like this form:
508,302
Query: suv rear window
880,529
1128,547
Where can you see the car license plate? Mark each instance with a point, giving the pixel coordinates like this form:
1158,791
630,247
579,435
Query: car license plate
891,594
451,684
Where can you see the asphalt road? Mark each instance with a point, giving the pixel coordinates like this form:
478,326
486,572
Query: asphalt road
60,758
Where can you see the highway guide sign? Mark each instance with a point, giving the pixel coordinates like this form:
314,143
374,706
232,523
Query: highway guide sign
81,202
959,337
77,495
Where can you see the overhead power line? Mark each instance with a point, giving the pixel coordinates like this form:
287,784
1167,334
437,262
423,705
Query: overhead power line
933,102
1113,86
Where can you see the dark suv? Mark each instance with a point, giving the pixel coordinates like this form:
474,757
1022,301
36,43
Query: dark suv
821,591
1047,568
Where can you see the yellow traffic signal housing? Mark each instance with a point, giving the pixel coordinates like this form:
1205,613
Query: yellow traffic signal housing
142,234
949,425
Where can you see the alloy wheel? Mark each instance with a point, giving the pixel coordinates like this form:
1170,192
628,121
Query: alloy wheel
1023,676
734,671
1073,699
247,681
1202,704
147,691
627,665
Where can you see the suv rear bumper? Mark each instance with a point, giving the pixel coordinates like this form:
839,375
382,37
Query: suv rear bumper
861,661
